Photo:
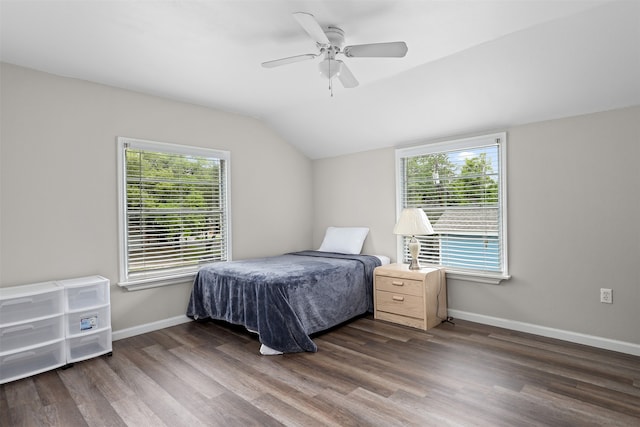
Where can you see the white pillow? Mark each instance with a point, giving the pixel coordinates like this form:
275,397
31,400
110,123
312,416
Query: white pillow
344,240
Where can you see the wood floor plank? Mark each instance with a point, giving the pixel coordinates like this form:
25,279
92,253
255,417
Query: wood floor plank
289,415
320,411
209,332
314,369
22,393
235,411
605,398
92,404
355,374
194,334
64,413
102,377
246,355
152,394
205,385
388,330
496,408
436,410
366,372
187,394
135,413
27,416
50,388
4,407
399,376
376,406
577,411
323,410
563,366
360,412
163,339
59,406
222,373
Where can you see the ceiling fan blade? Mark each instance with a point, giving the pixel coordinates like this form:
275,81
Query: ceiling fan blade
346,77
377,50
288,60
311,26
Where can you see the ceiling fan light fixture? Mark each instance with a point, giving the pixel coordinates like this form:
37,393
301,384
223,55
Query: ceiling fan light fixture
330,68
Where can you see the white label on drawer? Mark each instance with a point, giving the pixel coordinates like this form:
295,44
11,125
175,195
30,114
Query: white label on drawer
88,323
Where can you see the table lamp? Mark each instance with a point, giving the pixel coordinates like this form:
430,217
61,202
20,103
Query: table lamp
413,222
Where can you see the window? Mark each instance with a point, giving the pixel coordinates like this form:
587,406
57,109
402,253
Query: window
461,186
174,213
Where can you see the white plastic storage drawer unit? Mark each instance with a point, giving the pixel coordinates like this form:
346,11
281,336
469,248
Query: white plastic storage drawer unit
28,302
87,321
25,334
32,360
48,325
85,292
31,330
87,318
83,347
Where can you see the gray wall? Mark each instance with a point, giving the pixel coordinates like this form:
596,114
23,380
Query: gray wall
58,198
574,222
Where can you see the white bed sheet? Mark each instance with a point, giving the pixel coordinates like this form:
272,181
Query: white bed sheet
383,259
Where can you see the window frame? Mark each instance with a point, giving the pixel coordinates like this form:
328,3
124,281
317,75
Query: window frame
153,281
458,145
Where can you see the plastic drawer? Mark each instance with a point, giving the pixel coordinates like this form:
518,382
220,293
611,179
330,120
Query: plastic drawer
27,334
22,303
88,321
31,361
85,292
87,346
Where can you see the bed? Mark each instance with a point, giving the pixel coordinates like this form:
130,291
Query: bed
286,298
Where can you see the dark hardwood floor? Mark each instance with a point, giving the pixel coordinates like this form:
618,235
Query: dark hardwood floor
365,373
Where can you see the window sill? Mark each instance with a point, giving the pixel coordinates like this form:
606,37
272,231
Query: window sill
155,282
490,279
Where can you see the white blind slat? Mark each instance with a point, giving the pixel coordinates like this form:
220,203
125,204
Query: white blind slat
175,209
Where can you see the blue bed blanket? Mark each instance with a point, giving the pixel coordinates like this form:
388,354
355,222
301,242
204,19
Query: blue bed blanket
286,298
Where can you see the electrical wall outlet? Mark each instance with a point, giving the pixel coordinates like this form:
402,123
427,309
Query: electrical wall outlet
606,296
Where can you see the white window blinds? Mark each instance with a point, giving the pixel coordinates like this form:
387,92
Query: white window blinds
460,186
175,209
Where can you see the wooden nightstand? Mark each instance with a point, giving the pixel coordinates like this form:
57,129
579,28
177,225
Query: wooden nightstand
416,298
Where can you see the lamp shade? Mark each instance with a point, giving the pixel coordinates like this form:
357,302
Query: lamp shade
413,222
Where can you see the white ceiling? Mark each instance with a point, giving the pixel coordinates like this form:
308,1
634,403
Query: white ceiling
472,65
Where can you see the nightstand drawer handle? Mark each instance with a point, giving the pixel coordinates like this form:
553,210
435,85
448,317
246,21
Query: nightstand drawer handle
397,298
396,283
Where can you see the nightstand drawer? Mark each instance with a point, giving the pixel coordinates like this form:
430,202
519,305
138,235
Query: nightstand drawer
406,305
399,285
401,320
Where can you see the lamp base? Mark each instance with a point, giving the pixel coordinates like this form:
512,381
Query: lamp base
414,264
414,250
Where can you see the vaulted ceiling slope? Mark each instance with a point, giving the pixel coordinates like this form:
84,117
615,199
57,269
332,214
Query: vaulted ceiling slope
471,65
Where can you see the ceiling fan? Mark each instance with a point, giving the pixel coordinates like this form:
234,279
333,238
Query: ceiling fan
330,43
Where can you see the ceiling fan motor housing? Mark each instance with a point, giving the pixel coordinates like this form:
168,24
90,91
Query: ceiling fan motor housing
336,37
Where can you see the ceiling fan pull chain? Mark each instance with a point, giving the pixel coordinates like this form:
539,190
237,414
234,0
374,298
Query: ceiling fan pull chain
330,79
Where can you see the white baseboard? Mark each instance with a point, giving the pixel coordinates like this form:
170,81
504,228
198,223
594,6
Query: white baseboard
593,341
149,327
